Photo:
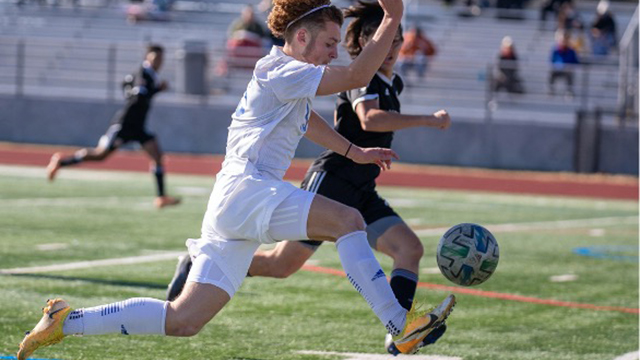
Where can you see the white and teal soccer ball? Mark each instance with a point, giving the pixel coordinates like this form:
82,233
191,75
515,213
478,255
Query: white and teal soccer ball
467,254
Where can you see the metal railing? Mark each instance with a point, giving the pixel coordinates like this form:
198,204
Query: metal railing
595,85
95,69
628,86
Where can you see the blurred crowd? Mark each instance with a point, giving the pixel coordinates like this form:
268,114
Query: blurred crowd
576,39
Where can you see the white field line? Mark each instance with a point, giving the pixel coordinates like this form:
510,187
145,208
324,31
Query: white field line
36,172
629,356
94,263
563,278
562,224
73,202
544,225
361,356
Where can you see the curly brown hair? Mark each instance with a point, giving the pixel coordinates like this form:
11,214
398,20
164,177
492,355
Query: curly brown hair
367,18
286,11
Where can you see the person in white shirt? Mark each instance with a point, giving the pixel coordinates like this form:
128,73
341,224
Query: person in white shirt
250,203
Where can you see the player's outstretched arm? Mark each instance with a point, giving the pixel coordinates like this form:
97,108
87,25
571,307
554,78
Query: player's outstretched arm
374,119
361,70
324,135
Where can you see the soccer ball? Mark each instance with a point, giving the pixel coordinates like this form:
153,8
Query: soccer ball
467,254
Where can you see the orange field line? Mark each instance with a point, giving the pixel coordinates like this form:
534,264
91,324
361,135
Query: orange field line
493,294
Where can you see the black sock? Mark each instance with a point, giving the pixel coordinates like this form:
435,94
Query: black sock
71,160
77,158
158,172
403,283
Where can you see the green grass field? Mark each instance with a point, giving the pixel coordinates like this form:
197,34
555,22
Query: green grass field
93,215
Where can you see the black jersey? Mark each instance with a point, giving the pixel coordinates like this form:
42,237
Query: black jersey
134,114
348,125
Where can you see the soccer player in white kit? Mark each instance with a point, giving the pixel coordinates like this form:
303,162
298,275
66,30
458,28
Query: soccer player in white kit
250,203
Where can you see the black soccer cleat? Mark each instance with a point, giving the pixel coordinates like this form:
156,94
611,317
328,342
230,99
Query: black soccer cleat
179,278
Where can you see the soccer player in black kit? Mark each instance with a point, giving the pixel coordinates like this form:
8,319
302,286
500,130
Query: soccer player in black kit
129,125
367,117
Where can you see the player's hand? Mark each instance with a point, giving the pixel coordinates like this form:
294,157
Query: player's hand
392,8
443,121
163,86
379,156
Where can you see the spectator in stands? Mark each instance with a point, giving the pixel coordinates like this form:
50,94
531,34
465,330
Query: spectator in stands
506,73
603,30
563,61
244,44
415,52
149,10
578,41
550,6
471,7
568,17
264,8
246,26
510,4
128,125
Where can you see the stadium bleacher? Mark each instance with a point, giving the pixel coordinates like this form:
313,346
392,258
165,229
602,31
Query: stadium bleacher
67,51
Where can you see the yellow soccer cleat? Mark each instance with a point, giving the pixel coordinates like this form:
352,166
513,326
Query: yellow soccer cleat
48,331
419,324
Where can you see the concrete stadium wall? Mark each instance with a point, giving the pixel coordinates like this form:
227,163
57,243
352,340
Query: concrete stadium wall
202,129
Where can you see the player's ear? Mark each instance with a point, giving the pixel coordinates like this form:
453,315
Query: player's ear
302,36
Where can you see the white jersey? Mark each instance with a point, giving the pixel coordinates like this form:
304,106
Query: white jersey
267,126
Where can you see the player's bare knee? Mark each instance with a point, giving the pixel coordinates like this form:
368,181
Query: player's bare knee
350,220
416,251
409,249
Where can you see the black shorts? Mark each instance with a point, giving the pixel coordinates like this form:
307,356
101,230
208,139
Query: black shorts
116,136
128,125
374,209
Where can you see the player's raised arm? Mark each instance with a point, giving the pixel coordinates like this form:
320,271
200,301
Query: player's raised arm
364,66
324,135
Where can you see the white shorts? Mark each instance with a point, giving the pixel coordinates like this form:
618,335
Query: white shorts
289,220
224,263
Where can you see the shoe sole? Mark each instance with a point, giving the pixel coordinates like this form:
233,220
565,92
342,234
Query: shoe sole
422,333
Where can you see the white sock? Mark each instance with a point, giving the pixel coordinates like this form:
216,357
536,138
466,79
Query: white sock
133,316
365,274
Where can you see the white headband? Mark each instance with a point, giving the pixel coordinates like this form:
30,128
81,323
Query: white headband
305,14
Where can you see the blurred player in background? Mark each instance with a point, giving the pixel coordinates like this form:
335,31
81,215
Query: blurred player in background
365,116
250,203
129,125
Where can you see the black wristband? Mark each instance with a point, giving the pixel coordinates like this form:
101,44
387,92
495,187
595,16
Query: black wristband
349,148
